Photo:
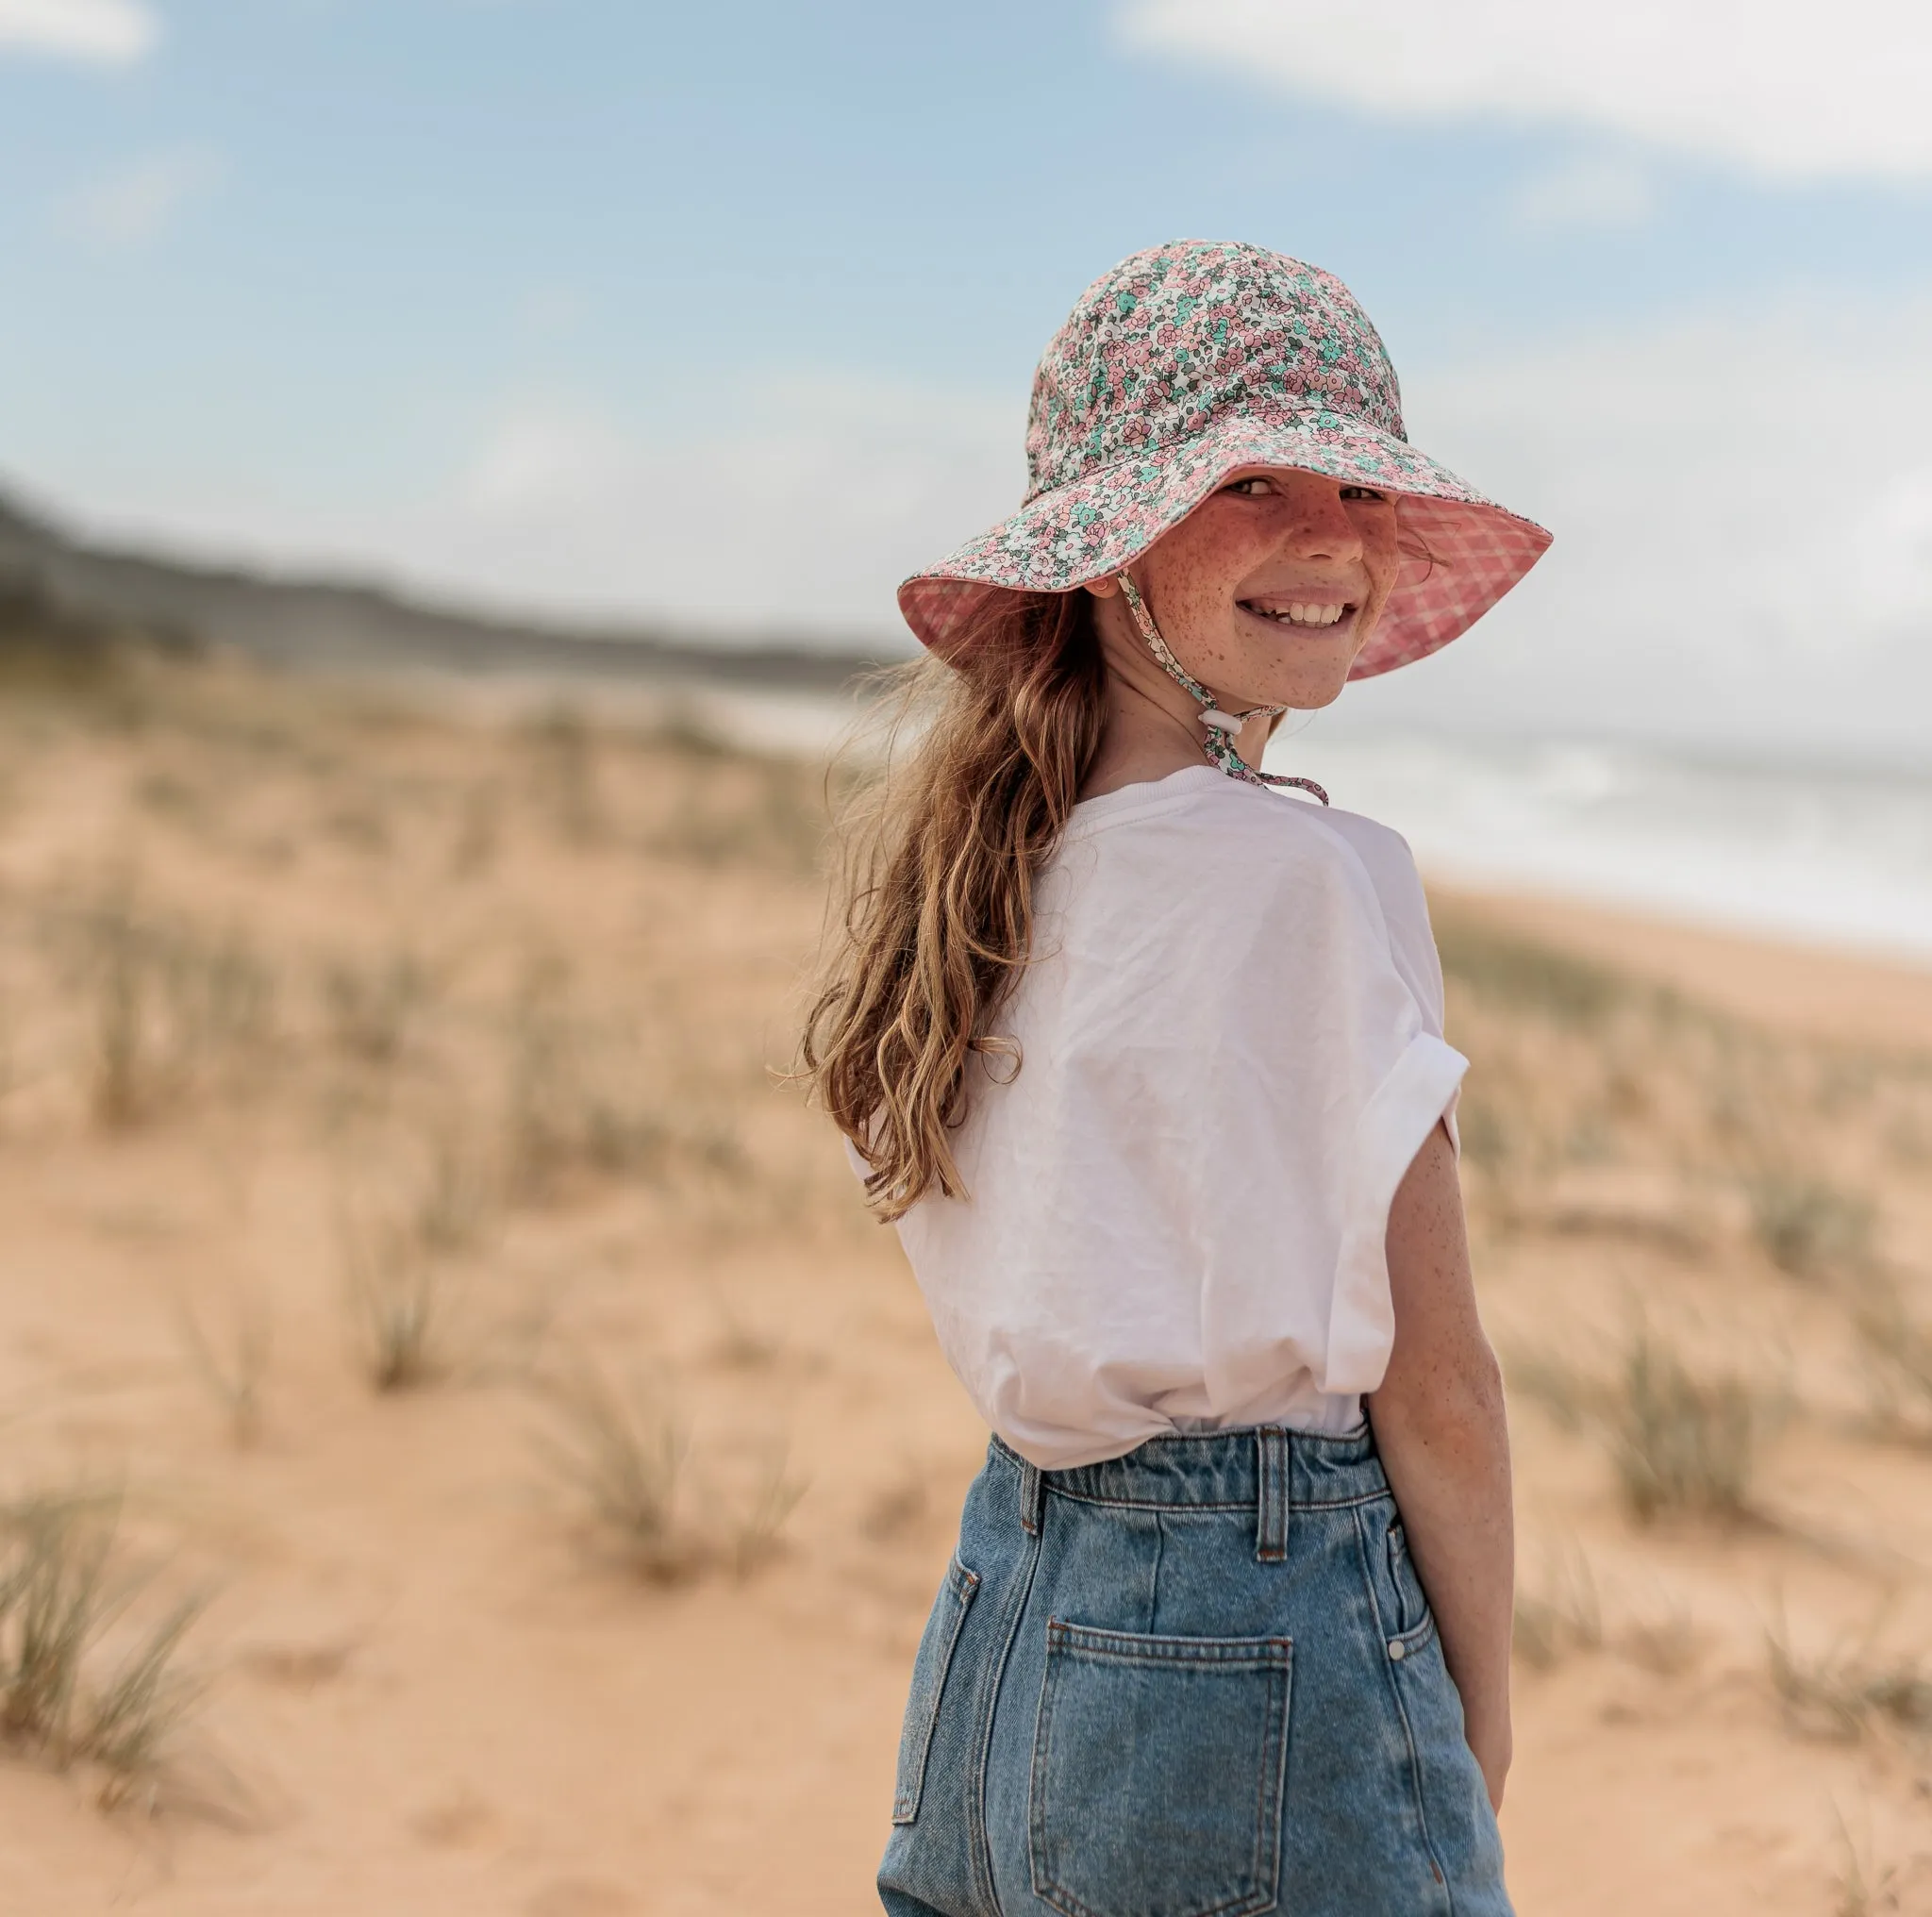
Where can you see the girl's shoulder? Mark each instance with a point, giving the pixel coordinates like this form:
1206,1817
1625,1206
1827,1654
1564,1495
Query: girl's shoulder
1209,828
1261,874
1383,851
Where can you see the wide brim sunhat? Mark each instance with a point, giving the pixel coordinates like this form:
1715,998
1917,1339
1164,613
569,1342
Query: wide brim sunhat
1190,362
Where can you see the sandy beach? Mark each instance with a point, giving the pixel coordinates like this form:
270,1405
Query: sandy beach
409,1264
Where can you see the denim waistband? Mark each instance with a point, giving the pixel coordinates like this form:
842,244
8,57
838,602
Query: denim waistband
1237,1469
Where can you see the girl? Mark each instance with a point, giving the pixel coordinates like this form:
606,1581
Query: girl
1146,1061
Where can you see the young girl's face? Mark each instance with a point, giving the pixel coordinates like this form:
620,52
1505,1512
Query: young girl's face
1268,589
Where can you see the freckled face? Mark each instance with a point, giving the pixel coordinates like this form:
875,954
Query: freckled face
1268,589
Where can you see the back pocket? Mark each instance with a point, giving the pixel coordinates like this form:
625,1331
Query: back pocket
1159,1765
929,1670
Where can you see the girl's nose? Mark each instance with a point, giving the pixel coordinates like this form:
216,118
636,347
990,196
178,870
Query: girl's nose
1322,529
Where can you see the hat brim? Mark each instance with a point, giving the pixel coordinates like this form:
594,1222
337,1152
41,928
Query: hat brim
1461,551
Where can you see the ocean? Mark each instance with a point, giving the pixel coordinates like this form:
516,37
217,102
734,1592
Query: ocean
1838,856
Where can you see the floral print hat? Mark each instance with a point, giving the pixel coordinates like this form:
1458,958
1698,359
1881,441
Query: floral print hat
1178,367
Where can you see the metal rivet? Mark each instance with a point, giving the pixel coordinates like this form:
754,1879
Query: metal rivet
1397,1650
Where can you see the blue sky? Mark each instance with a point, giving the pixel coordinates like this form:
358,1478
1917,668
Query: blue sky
726,315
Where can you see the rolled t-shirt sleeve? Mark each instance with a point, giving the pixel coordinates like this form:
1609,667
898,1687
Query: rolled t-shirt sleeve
1400,1114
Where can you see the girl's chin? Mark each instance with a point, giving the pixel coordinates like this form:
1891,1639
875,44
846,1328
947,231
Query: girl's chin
1312,684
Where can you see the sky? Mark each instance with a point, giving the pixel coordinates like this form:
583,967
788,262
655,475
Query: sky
724,317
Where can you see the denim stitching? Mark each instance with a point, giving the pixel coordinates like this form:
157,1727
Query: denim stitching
1179,1506
1417,1635
1348,1440
979,1842
1268,1872
962,1586
1415,1773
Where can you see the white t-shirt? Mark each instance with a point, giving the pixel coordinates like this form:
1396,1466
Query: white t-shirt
1231,1050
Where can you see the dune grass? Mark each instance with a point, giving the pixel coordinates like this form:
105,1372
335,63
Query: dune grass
755,1532
399,1297
169,1004
1558,1614
1529,976
63,1701
1843,1692
1684,1443
1896,1346
232,1363
578,1100
1809,1228
621,1457
374,1007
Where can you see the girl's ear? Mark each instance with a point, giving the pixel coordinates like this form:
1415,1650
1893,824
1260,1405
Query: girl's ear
1103,589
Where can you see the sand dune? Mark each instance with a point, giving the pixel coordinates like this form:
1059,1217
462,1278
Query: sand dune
345,1047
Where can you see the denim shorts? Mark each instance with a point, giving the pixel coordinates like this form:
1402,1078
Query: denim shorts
1201,1681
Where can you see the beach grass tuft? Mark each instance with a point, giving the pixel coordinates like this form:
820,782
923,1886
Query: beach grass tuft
169,1003
233,1365
1896,1348
1809,1228
1842,1693
374,1007
1528,976
1683,1443
399,1300
1561,1614
61,1593
620,1454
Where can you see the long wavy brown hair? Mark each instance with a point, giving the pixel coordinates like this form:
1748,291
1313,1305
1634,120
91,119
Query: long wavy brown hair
943,846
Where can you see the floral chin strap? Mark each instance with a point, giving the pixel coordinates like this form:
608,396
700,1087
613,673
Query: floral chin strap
1220,726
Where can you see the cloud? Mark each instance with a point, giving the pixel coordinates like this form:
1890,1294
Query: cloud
1592,192
1784,89
1893,554
1743,516
136,204
800,510
109,32
542,461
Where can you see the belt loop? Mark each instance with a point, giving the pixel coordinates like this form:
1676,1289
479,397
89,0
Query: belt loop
1030,1499
1270,1494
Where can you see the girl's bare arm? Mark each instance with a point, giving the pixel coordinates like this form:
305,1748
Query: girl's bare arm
1439,1422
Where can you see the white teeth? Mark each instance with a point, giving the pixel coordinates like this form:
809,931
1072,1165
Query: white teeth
1299,614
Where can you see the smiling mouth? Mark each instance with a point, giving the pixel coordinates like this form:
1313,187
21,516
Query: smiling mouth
1313,614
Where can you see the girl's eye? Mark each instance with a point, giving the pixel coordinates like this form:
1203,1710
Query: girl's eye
1362,492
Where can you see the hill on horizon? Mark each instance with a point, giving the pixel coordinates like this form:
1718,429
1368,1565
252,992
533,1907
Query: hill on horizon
334,624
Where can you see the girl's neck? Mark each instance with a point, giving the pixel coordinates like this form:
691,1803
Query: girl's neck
1150,733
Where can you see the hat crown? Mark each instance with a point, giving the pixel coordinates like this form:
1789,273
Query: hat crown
1179,337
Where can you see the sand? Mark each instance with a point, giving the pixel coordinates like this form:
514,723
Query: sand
307,1000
